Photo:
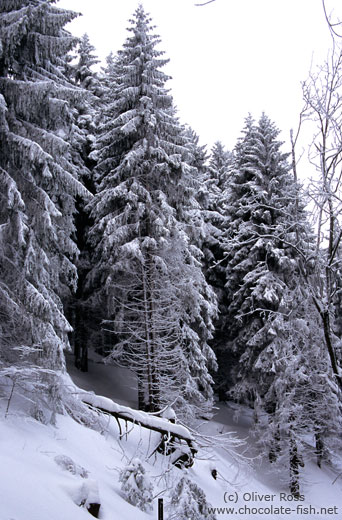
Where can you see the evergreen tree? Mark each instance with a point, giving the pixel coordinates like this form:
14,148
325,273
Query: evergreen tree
39,171
83,76
265,230
110,74
196,158
297,397
136,487
143,258
213,195
188,502
215,187
272,325
220,161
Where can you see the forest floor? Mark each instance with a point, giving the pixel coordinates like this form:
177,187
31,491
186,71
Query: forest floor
46,471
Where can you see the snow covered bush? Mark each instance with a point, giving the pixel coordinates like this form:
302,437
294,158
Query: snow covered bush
136,487
188,502
67,464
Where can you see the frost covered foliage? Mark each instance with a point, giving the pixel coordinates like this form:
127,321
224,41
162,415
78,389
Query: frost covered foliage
67,464
280,366
200,218
157,322
83,71
188,502
80,72
39,173
219,166
297,408
136,487
213,195
217,183
84,76
267,226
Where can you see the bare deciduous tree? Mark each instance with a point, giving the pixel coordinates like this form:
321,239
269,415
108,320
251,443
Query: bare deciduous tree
323,108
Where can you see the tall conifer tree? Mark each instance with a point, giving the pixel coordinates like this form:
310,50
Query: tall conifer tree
262,254
145,269
272,326
39,171
82,75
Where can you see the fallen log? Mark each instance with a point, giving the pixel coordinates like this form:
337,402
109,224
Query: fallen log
173,435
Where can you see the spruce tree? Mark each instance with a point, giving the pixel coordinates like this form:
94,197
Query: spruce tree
212,198
158,322
272,328
82,75
219,163
265,230
188,502
39,172
297,398
214,189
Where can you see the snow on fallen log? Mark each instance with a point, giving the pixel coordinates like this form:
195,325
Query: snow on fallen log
144,419
174,436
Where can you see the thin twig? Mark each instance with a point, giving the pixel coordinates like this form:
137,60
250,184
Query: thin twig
10,397
204,3
330,24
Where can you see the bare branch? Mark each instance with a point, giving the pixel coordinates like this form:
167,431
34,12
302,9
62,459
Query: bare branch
205,3
330,24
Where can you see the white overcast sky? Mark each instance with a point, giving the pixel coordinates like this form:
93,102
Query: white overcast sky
227,59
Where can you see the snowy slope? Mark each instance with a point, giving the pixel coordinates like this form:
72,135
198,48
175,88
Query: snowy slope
109,381
33,486
261,488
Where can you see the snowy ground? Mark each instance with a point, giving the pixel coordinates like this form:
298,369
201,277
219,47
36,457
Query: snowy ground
39,482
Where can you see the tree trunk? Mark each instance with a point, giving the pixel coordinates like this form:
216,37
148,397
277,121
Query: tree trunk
274,451
80,344
147,340
155,376
141,392
319,449
329,343
295,462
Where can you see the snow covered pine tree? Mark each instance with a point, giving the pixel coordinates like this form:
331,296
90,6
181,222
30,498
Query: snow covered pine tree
216,184
82,318
136,486
146,272
188,502
260,244
271,321
39,181
85,77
